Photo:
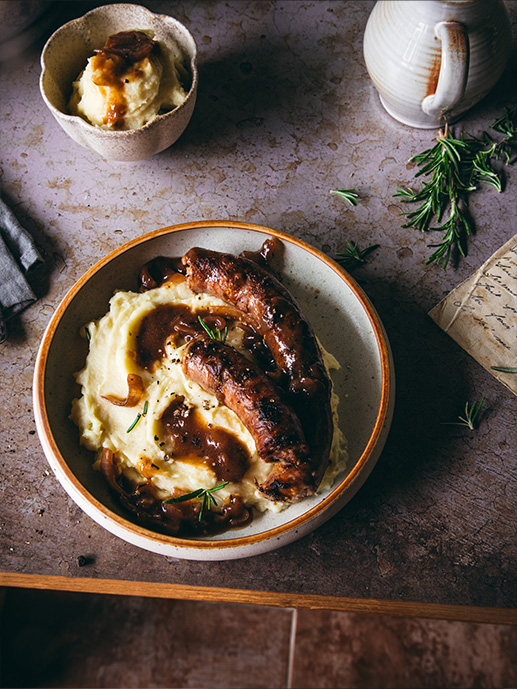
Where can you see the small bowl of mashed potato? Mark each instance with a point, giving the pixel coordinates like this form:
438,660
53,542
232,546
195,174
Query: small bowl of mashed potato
121,80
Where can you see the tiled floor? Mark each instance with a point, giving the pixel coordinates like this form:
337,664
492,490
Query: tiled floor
52,639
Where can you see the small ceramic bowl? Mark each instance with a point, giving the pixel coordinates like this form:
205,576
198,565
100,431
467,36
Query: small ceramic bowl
65,55
344,321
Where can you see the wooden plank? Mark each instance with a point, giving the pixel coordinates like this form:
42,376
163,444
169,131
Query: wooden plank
270,598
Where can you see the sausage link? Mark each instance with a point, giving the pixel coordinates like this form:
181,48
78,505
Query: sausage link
242,386
272,311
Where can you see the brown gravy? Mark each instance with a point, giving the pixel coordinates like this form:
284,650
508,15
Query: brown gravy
115,64
186,434
160,270
175,323
193,440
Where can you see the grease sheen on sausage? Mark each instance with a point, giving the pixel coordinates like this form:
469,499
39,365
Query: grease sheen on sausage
242,386
271,309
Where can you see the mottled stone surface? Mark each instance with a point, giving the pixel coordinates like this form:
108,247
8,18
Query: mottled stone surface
285,113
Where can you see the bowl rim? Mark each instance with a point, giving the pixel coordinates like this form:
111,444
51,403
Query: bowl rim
114,133
61,468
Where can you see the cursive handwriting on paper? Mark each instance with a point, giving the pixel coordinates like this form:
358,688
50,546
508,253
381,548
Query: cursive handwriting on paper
481,313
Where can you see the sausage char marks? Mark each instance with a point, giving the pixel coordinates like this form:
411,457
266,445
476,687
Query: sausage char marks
242,386
271,310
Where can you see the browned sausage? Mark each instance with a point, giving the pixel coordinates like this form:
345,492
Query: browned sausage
242,386
285,330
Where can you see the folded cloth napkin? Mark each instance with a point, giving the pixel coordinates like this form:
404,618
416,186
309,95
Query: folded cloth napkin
18,255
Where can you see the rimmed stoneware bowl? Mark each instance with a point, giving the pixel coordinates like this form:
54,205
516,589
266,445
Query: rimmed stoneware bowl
343,319
65,55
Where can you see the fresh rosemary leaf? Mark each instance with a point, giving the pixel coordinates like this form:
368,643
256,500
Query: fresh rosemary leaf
222,485
457,226
408,194
353,255
187,496
485,173
350,195
208,500
206,328
469,420
203,505
504,369
218,335
138,417
507,125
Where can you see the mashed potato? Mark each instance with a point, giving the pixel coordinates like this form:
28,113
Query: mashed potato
142,452
125,89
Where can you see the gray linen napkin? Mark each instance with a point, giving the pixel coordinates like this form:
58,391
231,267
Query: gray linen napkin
18,255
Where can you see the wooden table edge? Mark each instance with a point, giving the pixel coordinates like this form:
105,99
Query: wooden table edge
437,611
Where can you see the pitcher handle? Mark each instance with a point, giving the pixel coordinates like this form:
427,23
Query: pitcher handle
454,69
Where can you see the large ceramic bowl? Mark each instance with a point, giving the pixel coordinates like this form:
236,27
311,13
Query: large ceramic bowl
343,319
66,53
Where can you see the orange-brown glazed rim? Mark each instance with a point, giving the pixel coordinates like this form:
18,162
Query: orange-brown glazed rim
44,424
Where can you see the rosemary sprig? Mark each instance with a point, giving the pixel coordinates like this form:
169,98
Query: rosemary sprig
205,493
350,195
352,255
139,416
137,419
506,125
504,369
454,168
448,187
469,420
217,335
457,226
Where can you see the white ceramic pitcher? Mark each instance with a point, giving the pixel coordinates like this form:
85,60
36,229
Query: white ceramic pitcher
431,60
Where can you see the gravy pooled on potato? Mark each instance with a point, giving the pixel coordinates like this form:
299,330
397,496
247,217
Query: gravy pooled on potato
127,83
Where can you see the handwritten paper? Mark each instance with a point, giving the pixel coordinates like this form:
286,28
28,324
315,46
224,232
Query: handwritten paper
481,314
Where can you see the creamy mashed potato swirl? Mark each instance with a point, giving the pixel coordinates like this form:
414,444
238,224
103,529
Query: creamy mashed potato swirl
143,453
115,92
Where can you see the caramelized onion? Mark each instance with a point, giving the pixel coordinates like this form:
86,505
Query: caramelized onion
132,46
184,326
150,510
135,386
265,254
109,469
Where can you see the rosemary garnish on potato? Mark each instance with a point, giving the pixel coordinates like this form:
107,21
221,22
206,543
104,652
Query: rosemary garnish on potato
217,335
137,419
205,493
139,416
454,168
